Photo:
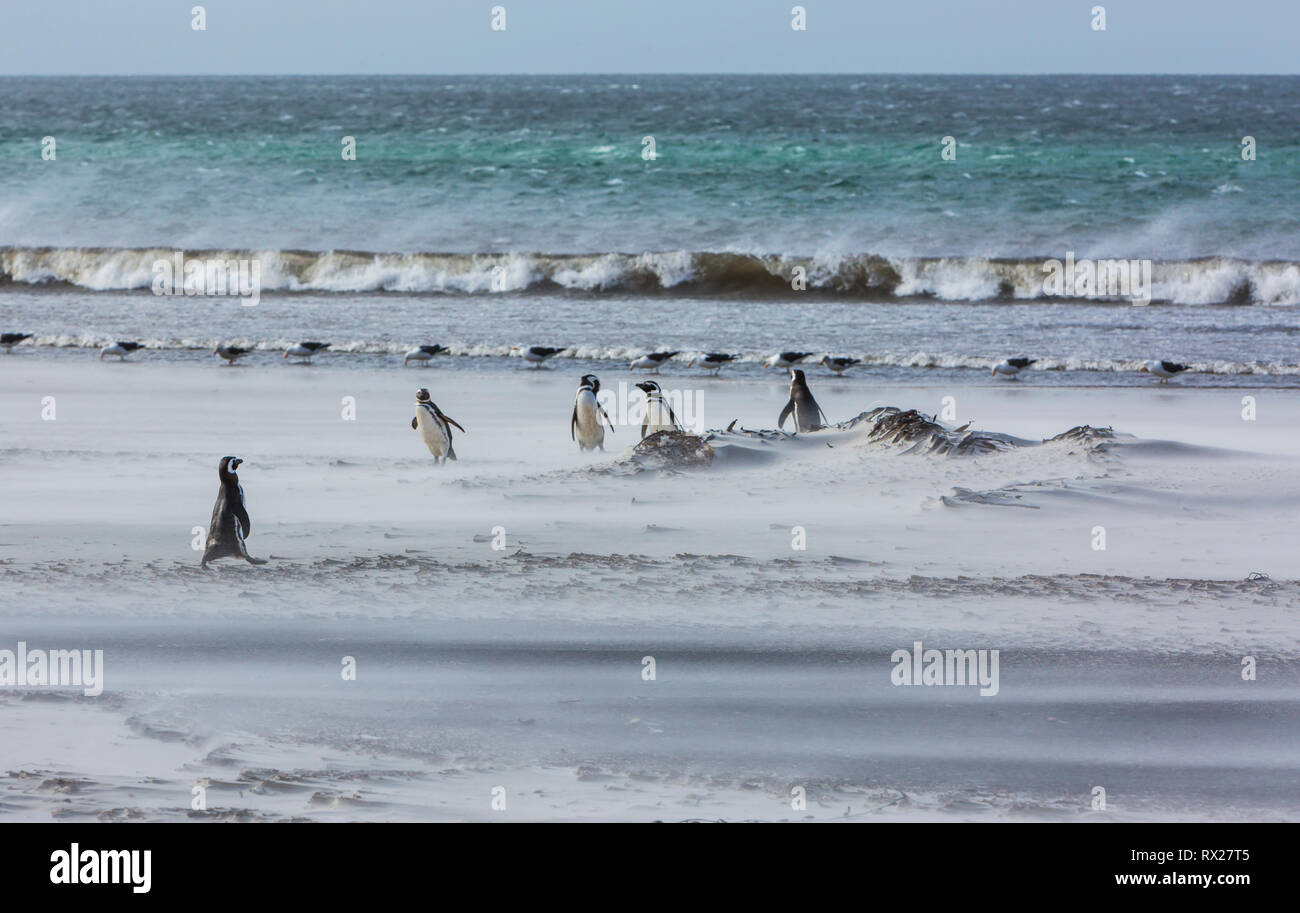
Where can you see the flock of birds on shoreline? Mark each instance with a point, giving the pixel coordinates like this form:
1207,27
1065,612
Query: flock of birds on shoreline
1009,368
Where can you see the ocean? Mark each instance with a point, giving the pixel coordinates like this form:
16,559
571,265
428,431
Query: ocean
612,215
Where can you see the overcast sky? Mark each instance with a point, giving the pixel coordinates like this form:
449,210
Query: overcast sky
649,36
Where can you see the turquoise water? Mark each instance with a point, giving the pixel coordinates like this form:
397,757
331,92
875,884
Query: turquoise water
1144,167
485,212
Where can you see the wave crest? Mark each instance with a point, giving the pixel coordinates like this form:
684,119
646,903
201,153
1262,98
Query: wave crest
1208,280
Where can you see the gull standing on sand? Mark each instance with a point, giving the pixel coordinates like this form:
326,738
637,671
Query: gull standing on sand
651,361
713,361
1012,367
785,359
9,340
839,364
120,349
422,354
536,354
231,353
1162,369
305,350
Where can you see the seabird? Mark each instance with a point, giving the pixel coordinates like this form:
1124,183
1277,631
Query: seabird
808,416
839,365
651,361
585,426
120,349
658,412
1163,369
537,354
422,354
434,427
713,361
1012,367
230,525
785,359
231,353
305,350
9,340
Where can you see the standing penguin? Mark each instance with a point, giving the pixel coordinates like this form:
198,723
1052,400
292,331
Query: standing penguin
805,408
585,426
230,525
658,413
434,427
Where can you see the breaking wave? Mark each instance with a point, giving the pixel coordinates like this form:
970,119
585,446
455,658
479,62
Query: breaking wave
1207,280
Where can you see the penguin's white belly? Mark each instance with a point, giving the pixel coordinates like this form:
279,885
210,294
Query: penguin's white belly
656,419
590,432
434,434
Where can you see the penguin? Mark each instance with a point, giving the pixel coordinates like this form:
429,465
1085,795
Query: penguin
1012,367
713,361
231,353
434,427
658,413
536,354
1162,369
802,405
305,350
585,426
9,340
422,354
839,365
785,359
120,349
230,525
652,361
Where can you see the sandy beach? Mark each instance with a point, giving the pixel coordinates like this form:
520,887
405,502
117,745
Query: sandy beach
523,666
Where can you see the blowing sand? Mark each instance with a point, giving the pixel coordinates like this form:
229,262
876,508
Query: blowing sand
522,667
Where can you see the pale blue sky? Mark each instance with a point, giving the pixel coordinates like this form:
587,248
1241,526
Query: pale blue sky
649,36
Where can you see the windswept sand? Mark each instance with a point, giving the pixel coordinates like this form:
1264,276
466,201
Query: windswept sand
522,667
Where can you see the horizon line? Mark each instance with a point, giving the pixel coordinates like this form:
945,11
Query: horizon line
622,74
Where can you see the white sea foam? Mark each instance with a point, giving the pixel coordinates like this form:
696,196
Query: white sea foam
1212,280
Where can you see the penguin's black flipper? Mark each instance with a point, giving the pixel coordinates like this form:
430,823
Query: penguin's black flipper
573,424
241,514
785,414
451,421
677,426
415,423
602,412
